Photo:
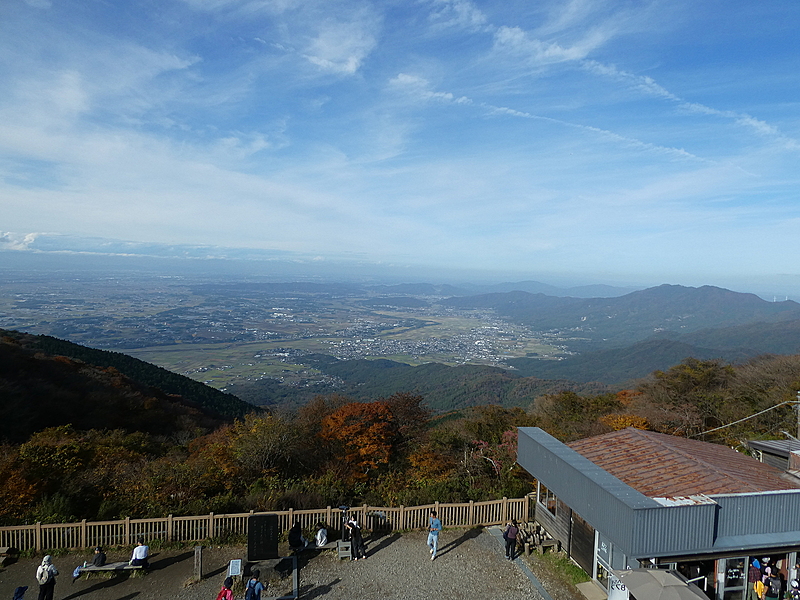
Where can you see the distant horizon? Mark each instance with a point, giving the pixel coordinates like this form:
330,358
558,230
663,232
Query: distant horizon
96,255
578,141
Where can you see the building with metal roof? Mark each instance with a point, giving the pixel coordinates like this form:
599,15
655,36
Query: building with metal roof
635,498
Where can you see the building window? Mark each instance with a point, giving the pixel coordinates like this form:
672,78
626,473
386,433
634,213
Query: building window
547,499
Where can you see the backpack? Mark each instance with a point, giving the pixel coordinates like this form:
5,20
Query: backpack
774,587
43,575
250,592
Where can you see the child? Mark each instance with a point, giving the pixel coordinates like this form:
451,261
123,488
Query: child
226,593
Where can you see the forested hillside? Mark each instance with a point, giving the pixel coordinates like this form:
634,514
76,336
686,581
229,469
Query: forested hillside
40,390
225,405
82,441
444,387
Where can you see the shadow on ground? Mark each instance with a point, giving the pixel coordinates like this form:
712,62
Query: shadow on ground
470,534
385,541
168,562
102,585
310,591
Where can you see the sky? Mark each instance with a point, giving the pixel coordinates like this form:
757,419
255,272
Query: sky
637,141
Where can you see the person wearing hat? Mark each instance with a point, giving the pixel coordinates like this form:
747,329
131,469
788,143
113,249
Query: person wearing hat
226,593
99,558
794,590
46,578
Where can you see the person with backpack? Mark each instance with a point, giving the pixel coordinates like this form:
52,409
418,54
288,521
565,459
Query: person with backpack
773,585
254,586
226,593
46,578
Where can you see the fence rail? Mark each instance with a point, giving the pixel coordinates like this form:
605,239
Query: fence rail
193,529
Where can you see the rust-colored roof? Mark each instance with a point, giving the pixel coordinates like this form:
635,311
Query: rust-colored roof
660,465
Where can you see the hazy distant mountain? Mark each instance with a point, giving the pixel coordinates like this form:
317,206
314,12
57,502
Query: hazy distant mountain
615,322
583,291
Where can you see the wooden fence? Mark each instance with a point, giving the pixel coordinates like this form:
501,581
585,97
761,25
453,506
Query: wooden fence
87,534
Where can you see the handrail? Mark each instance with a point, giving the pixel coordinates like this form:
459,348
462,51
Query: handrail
86,534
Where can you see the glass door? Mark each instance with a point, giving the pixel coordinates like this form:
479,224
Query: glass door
732,578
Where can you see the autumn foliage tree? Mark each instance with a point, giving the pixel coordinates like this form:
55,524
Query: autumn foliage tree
364,433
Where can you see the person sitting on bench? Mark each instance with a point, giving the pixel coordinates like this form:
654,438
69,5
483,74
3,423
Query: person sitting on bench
140,554
322,535
296,539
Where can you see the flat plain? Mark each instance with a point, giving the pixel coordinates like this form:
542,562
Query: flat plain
231,332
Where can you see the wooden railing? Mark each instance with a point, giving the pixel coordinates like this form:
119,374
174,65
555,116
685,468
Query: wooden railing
192,529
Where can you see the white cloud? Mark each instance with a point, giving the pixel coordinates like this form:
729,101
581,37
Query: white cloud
418,88
462,14
17,241
515,42
340,46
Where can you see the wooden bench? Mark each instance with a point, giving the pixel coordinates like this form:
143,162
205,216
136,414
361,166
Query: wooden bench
328,546
114,568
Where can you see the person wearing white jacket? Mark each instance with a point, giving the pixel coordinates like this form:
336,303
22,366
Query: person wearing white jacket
46,578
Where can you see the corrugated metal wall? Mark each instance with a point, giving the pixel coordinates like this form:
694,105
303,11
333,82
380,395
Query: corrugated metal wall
643,528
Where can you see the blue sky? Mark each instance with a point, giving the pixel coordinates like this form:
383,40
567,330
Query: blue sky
637,141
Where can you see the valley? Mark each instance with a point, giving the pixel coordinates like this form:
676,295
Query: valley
230,333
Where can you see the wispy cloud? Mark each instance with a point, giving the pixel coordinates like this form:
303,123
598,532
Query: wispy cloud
461,14
341,46
648,86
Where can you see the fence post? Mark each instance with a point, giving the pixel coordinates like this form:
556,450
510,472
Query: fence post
401,518
127,531
472,513
83,533
38,540
364,516
210,525
504,518
436,504
291,518
170,528
328,516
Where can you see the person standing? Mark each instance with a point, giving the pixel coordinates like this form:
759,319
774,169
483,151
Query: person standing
510,536
356,541
46,578
254,586
434,527
753,576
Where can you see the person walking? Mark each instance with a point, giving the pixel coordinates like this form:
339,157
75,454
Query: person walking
46,578
226,593
254,586
510,536
434,527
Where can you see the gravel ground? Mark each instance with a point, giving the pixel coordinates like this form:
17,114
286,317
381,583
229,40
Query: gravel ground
470,565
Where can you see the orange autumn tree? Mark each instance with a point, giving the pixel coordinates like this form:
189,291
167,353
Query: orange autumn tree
363,435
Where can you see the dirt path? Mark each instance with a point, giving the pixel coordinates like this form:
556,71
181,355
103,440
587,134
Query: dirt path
470,565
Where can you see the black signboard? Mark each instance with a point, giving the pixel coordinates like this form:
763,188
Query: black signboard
262,537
